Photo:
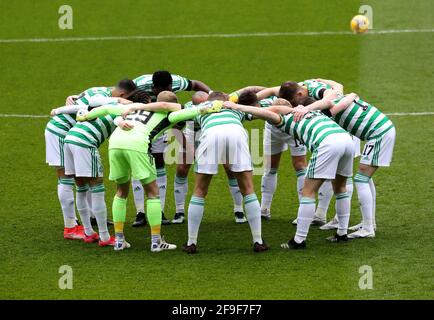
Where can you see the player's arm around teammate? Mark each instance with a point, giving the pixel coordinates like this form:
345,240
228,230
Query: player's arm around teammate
187,139
336,86
63,119
55,132
379,133
129,158
223,140
187,153
332,158
275,143
154,84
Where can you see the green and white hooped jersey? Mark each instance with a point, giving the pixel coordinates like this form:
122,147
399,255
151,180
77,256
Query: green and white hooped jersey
61,124
363,120
145,82
310,130
315,88
83,98
91,134
225,116
265,103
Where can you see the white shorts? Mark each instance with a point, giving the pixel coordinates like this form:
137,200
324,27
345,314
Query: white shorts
334,155
82,162
378,152
356,142
223,144
276,141
159,145
54,146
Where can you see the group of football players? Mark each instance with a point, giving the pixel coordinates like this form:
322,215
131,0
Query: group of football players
135,116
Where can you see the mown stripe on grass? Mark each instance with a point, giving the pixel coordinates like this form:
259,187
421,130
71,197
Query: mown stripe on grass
213,35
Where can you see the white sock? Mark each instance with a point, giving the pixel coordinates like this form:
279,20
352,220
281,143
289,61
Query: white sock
139,195
268,187
156,238
325,194
195,214
236,195
350,187
306,212
83,209
374,198
100,210
253,215
89,203
343,207
301,174
66,198
365,199
162,185
181,190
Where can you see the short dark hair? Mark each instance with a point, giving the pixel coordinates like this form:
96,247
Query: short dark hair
162,79
288,91
248,98
127,85
217,95
305,101
139,95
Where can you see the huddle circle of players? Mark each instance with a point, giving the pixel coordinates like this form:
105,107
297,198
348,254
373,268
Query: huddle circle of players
312,115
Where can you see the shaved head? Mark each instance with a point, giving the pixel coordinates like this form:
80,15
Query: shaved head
281,102
167,96
217,95
199,97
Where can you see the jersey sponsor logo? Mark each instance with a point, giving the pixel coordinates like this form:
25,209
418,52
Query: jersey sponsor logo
363,105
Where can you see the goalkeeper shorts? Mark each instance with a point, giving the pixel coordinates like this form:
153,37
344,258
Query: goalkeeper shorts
126,164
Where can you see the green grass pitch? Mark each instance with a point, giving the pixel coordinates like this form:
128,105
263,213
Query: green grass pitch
392,71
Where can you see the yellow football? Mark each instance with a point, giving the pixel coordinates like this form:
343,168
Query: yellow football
359,24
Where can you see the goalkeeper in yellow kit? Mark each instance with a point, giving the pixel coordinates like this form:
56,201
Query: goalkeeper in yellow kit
129,156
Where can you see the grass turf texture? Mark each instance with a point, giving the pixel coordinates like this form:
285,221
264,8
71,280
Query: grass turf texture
390,71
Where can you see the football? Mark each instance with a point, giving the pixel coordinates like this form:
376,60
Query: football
359,24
